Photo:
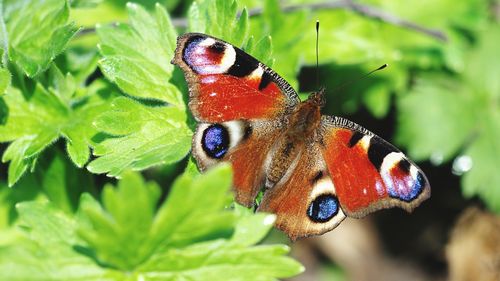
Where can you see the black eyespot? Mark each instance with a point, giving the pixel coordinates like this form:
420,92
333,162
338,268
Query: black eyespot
217,47
323,208
378,150
243,65
215,141
355,138
404,165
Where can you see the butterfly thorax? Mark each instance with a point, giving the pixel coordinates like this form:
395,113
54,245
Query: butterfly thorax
302,127
306,117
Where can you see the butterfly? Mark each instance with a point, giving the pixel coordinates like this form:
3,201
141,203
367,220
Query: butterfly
314,170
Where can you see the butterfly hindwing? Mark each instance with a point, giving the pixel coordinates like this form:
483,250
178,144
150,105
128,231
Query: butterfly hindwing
245,144
225,83
369,173
305,200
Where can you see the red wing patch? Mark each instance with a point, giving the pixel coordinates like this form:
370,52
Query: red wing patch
225,97
369,173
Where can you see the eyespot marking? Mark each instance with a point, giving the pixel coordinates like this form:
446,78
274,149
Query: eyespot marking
323,208
357,136
404,165
264,80
243,65
205,55
378,150
215,141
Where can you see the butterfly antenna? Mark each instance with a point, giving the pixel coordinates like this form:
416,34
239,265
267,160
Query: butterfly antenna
360,78
317,54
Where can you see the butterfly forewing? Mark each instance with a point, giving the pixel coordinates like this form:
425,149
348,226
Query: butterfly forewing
241,104
225,83
369,173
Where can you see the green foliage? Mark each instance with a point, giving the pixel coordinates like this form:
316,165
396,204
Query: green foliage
140,137
137,56
468,115
108,99
288,47
190,236
219,18
36,121
38,31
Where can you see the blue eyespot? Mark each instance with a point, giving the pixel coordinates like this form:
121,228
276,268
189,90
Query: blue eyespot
323,208
403,191
215,141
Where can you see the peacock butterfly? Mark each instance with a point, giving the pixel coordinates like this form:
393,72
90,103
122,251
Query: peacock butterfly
315,170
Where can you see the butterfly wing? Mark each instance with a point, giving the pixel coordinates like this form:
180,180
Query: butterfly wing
241,104
245,144
369,173
225,83
305,200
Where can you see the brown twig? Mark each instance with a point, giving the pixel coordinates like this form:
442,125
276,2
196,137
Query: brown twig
364,10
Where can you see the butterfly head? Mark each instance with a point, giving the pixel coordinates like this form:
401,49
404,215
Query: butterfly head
317,98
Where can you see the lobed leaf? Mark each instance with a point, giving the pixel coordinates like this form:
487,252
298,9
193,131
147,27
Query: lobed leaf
137,56
219,18
34,43
139,137
35,122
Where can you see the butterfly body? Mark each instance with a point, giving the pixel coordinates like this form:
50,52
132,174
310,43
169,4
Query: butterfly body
314,170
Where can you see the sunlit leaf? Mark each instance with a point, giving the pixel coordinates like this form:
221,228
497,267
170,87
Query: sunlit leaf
38,32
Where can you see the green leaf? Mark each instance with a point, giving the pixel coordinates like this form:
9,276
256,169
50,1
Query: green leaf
80,62
61,181
262,50
35,122
85,3
119,231
219,18
16,154
28,188
189,221
481,72
37,32
137,56
288,47
377,99
439,129
49,249
139,137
